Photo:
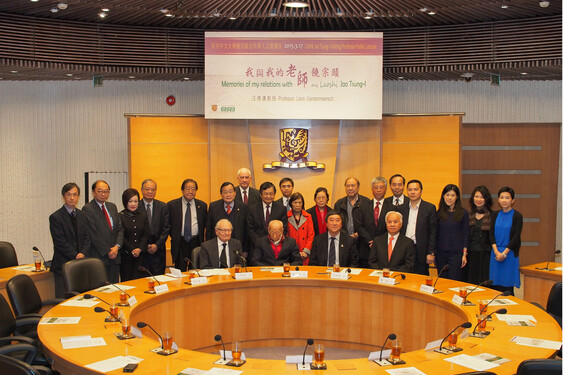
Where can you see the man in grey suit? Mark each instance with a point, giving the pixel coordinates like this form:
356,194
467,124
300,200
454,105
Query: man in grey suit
392,250
105,229
334,246
154,259
223,251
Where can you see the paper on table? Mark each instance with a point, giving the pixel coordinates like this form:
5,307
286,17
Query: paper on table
60,320
405,371
514,317
113,363
538,343
492,358
192,371
215,272
162,278
502,302
112,288
558,268
229,355
375,355
433,345
473,363
86,343
469,289
24,268
379,273
353,271
276,270
222,371
298,359
81,302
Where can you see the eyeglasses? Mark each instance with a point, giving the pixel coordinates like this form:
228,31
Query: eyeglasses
102,191
224,230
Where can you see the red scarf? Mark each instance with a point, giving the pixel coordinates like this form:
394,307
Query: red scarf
276,248
321,219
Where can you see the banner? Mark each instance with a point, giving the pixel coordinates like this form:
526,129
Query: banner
293,75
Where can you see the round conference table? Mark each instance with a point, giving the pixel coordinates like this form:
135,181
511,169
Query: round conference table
270,310
538,282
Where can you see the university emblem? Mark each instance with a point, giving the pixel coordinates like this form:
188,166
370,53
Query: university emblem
214,107
293,144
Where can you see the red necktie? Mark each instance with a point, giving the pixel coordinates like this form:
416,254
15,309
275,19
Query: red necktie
376,213
390,248
267,214
245,198
228,209
107,216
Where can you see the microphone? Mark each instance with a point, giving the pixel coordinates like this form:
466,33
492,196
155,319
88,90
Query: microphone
89,296
189,261
237,253
143,269
391,337
464,325
479,321
546,268
484,283
505,293
220,338
309,342
99,309
118,288
400,274
42,257
143,325
445,268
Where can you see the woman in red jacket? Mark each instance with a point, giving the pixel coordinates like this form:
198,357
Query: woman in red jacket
300,226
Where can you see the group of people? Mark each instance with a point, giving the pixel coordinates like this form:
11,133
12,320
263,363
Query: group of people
248,226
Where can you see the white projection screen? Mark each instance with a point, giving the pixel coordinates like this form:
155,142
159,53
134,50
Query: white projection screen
287,75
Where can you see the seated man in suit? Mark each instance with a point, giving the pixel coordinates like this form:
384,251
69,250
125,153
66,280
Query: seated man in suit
334,245
244,192
393,249
220,252
275,249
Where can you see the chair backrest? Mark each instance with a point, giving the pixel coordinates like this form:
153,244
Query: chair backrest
82,275
539,367
7,320
554,300
8,256
13,366
24,297
195,256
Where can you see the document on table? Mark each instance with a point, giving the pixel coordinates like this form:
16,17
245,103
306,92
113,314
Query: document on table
222,371
502,302
215,272
298,358
24,268
272,269
558,268
538,343
60,320
469,289
192,371
81,302
162,278
518,320
112,288
473,363
73,342
379,273
405,371
492,358
113,363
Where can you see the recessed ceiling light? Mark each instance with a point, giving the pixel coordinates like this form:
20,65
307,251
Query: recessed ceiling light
367,18
169,15
105,9
54,10
431,13
69,74
232,18
14,71
295,4
164,10
186,78
339,13
524,73
34,1
1,78
544,4
102,14
216,13
401,77
273,13
424,9
62,6
370,12
504,6
131,77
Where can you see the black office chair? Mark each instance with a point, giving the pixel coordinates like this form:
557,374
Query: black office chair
539,367
25,298
195,256
553,306
82,275
13,366
8,256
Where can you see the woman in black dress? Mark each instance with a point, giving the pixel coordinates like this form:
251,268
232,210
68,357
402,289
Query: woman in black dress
319,210
135,235
479,244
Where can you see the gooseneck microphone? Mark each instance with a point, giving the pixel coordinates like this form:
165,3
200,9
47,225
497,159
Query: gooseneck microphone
118,288
500,311
484,283
99,309
391,337
445,268
546,268
143,325
89,296
189,261
402,278
220,338
464,325
242,258
309,342
505,293
143,269
42,257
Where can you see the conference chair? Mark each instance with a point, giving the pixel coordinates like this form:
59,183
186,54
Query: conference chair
553,306
8,256
82,275
13,366
539,367
25,298
195,256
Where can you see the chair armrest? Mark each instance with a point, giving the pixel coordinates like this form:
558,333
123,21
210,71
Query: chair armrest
30,350
6,340
42,370
52,302
27,320
70,294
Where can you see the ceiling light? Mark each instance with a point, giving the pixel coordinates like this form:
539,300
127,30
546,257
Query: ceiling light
431,13
401,77
102,14
544,4
367,18
273,13
62,6
504,6
14,71
131,77
216,13
232,18
295,4
424,9
524,73
69,74
339,13
164,10
54,10
105,9
34,1
186,78
370,12
169,15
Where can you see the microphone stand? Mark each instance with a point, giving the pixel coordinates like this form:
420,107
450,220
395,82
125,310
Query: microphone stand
302,365
455,349
546,268
445,268
381,361
484,334
468,302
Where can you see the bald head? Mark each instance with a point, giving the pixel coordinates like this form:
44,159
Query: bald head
275,230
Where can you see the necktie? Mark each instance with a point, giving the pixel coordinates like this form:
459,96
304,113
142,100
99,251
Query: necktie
267,214
245,198
107,216
396,201
390,248
228,209
149,213
74,222
188,224
332,252
376,213
73,214
223,257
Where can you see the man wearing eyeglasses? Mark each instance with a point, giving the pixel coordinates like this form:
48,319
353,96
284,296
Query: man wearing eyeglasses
220,252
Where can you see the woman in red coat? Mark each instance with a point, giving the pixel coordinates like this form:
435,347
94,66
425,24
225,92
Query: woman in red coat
300,226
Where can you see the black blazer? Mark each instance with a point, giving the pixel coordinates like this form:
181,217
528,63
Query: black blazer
426,228
515,231
175,210
209,254
253,195
257,222
102,237
391,199
402,258
135,231
367,230
67,244
238,218
341,205
264,255
313,212
160,225
347,252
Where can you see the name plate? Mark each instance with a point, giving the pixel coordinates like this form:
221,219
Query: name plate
387,280
161,288
242,276
175,272
457,299
299,274
132,300
199,281
339,275
427,289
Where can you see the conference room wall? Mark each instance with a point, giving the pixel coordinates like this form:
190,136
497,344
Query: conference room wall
51,132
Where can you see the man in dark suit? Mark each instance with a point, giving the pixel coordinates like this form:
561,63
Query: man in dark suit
347,207
220,252
260,214
275,249
286,188
244,192
188,217
69,230
397,184
392,249
234,211
154,259
105,229
420,224
333,245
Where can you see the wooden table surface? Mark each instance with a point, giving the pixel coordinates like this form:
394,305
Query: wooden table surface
43,280
538,283
270,311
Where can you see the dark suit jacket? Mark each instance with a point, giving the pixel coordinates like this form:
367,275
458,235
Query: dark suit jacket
341,206
367,230
313,213
402,258
515,231
347,252
102,237
238,218
280,201
160,225
67,244
256,221
264,255
391,199
209,254
175,211
253,195
426,228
